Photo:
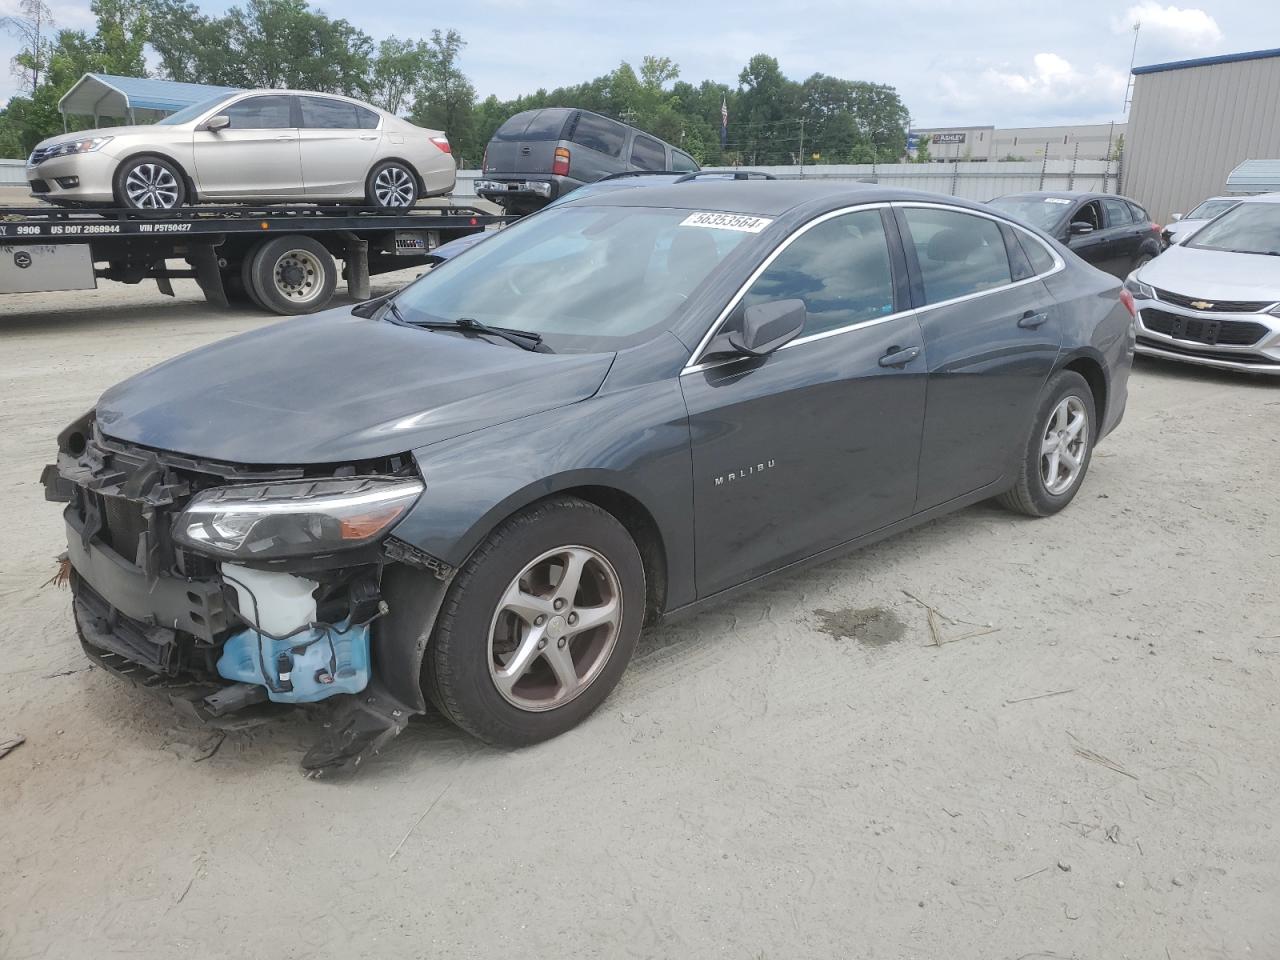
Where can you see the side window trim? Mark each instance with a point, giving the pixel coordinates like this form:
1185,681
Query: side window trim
917,280
696,363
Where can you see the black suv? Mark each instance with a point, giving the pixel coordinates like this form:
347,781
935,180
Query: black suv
539,155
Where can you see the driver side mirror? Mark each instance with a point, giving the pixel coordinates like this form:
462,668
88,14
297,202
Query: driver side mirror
219,122
1175,216
768,326
1080,227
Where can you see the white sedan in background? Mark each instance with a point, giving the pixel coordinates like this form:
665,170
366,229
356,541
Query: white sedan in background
248,145
1214,299
1182,227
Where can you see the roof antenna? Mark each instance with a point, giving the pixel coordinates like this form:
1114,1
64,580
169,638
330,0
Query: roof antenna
1133,58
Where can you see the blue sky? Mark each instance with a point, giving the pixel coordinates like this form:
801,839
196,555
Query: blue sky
986,61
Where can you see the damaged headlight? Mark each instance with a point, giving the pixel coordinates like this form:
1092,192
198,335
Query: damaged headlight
293,518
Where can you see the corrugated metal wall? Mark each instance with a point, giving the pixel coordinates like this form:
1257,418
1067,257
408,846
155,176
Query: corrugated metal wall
1189,128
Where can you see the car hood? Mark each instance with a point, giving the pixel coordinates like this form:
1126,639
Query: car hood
143,129
1214,274
334,387
1184,228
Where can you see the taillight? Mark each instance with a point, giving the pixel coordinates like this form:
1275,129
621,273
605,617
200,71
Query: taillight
560,165
443,144
1156,228
1127,299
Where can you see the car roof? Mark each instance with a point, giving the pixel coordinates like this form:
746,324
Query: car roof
1064,195
767,198
1258,198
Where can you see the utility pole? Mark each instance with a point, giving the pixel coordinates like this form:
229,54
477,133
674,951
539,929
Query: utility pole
1133,58
802,146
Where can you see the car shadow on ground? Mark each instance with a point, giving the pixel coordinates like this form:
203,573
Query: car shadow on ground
1176,370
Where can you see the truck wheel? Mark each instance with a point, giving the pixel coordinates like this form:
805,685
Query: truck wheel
291,275
538,625
149,183
391,185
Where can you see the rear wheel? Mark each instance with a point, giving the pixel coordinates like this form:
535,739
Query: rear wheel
1059,449
538,625
391,185
290,275
149,183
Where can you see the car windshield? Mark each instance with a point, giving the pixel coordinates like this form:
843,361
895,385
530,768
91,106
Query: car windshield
1249,228
586,278
1210,209
1042,212
190,113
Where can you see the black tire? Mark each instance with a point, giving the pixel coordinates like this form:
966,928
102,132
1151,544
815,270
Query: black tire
391,185
170,184
456,669
291,275
246,281
1030,494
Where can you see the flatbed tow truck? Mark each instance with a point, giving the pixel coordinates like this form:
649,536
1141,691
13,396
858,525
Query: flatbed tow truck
281,258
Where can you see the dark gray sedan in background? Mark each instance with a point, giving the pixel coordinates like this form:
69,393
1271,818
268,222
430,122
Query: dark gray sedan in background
478,490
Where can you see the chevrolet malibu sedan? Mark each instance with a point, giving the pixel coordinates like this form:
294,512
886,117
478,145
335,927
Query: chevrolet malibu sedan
255,145
476,492
1214,299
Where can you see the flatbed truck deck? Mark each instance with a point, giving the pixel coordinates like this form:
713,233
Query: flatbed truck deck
283,258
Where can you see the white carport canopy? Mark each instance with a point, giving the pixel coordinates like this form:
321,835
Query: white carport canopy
131,99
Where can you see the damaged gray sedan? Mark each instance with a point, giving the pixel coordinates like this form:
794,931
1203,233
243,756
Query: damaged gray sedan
476,491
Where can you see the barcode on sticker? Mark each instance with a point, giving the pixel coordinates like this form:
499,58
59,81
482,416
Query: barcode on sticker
727,221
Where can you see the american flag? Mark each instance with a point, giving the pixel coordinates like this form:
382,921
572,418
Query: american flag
724,123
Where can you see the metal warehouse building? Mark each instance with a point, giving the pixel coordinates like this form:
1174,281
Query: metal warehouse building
1192,122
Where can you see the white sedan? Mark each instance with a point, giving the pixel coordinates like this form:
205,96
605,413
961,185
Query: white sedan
248,145
1214,299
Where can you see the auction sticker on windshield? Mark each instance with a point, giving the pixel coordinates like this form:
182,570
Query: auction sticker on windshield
726,221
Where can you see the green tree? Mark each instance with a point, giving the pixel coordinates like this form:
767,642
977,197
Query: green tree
33,26
445,99
397,71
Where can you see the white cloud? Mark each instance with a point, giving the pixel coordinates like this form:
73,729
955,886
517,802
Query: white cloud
1172,29
1050,87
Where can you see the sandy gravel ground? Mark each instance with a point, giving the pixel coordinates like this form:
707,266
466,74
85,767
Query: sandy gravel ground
800,774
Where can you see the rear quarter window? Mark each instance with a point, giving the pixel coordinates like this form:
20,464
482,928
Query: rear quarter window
683,163
599,134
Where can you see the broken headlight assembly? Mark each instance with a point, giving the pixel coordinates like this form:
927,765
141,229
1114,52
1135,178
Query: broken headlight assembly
293,518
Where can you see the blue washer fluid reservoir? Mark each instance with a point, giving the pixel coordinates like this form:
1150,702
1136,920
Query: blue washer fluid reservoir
309,666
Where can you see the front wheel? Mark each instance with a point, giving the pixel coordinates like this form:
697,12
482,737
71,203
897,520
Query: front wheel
1059,449
538,625
391,185
149,183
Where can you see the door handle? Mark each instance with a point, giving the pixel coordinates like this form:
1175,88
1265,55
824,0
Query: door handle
899,356
286,138
1030,320
368,136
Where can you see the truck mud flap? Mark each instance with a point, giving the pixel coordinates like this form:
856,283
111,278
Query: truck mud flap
204,260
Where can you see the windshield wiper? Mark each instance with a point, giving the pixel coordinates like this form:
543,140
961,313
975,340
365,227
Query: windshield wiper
524,339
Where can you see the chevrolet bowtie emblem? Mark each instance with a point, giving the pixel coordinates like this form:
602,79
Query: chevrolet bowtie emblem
1201,304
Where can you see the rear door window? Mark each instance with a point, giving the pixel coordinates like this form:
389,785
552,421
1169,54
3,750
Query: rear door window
648,154
274,112
840,269
325,114
1118,214
599,134
959,253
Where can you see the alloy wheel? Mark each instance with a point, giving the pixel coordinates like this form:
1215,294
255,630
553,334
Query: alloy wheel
1063,445
394,187
555,628
150,186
